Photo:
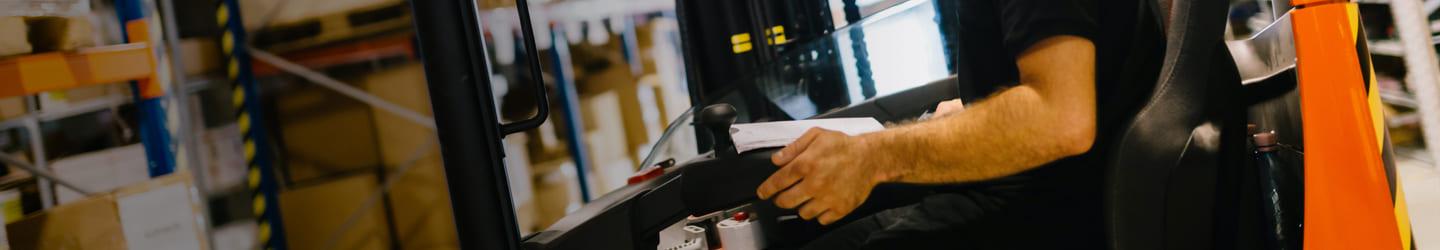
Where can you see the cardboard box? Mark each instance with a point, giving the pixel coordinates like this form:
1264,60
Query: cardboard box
14,37
158,214
258,11
91,223
556,192
324,134
199,55
420,197
50,33
314,213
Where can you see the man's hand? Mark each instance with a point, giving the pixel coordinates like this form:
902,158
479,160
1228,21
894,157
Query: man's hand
951,107
824,174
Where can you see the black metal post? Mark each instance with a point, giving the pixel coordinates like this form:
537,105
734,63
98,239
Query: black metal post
453,50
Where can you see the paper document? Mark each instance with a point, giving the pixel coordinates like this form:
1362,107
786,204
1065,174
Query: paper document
751,136
160,219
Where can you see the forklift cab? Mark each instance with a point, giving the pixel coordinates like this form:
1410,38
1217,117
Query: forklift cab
1178,177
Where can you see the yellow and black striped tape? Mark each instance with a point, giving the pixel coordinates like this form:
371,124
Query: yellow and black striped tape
1377,118
228,41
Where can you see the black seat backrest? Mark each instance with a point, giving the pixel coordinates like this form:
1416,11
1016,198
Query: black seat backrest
1164,183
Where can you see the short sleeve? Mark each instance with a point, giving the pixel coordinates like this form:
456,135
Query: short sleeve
1026,22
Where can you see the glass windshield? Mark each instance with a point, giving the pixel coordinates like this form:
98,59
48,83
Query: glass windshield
897,49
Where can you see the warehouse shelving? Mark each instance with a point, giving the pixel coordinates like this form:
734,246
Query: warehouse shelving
57,71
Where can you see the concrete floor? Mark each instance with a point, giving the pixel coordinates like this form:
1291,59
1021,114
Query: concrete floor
1421,180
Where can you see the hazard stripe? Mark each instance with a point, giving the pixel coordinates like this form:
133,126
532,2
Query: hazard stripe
254,178
1377,116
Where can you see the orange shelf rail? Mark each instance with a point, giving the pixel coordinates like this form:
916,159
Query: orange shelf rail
31,74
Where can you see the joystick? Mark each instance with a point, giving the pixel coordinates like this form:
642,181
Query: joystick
717,119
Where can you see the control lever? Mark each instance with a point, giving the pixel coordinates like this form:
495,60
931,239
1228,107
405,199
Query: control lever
717,119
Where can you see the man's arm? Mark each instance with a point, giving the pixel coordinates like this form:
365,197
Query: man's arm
1051,115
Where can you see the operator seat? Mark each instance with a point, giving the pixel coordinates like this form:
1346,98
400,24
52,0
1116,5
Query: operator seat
1172,173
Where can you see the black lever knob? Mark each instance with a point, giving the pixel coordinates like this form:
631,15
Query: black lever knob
717,119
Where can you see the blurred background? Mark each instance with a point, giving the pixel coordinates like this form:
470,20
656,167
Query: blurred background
332,108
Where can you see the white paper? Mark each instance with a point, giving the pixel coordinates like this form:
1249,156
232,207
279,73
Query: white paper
751,136
159,219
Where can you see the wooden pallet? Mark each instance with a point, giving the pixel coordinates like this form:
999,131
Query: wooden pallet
331,28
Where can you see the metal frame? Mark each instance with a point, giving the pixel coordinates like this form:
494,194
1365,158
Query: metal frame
569,101
148,94
453,49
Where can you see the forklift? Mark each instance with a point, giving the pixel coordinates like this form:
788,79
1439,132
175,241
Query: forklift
1181,178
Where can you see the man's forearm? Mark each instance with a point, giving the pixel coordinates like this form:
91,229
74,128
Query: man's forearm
1006,134
1051,115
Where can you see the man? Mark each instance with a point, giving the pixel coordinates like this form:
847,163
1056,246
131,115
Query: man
1022,157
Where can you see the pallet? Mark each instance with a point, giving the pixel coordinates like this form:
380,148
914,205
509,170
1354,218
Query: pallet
331,28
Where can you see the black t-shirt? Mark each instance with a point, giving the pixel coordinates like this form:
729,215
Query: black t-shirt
1062,201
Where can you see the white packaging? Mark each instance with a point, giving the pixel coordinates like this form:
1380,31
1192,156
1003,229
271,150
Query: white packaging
102,171
222,151
739,235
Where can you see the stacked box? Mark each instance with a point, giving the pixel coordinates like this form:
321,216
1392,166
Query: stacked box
14,38
48,33
159,213
420,198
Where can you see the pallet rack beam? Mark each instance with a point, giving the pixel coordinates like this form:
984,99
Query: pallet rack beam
36,73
